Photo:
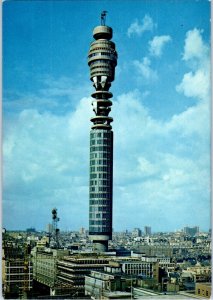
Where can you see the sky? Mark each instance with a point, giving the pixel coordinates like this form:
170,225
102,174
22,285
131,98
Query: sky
161,112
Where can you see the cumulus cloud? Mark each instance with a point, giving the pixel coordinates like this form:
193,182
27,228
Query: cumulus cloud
157,43
196,83
145,166
144,69
160,165
157,165
137,28
194,46
45,158
161,168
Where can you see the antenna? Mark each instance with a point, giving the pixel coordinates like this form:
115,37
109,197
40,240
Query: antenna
103,17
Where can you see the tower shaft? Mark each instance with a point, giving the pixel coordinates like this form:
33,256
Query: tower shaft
101,189
102,60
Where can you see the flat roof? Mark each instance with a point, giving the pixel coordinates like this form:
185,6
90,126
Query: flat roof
204,283
166,296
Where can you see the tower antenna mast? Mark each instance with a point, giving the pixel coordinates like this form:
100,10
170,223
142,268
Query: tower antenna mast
103,17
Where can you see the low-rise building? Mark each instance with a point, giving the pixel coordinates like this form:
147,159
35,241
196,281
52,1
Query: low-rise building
203,289
155,250
73,269
142,268
105,285
44,266
18,276
16,269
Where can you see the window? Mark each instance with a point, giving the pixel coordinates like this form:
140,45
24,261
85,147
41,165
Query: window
93,176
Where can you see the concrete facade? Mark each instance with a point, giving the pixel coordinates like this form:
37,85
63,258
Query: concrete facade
102,60
18,275
203,289
44,265
72,270
102,285
145,269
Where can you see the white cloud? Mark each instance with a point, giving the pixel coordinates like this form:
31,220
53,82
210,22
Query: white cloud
161,168
193,121
160,165
196,83
45,158
157,43
194,46
136,28
46,162
144,69
146,167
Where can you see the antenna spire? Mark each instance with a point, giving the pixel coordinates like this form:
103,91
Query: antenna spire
103,17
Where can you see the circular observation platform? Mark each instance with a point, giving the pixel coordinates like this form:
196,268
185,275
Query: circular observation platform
102,95
102,32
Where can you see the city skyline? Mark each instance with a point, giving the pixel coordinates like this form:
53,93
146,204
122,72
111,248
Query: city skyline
160,109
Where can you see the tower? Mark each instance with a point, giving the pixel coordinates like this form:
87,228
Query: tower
102,60
147,230
55,231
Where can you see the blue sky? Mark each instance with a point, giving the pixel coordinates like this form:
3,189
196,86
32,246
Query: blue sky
160,109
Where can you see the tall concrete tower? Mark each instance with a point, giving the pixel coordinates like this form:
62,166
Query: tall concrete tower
102,60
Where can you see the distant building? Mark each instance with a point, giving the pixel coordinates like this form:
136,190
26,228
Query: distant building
82,230
30,230
147,230
136,232
49,228
152,250
164,262
200,273
191,231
